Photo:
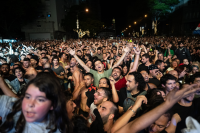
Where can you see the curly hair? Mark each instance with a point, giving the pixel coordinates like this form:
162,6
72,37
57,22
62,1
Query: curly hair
140,80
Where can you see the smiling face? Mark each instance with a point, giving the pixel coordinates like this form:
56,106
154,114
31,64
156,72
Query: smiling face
145,75
116,73
35,105
99,66
99,97
18,73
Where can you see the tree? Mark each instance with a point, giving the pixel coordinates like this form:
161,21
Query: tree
160,9
16,13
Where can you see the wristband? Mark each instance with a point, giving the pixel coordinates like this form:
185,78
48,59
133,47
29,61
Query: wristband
132,111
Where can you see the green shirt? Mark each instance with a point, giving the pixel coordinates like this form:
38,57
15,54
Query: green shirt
166,52
98,76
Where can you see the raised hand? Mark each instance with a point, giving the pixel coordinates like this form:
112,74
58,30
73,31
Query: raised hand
72,52
112,81
139,100
126,50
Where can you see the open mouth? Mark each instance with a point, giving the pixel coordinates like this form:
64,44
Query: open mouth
30,114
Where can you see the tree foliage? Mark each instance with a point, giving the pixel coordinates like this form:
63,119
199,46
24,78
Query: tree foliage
16,13
160,8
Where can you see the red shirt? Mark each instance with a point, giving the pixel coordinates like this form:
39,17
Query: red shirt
120,84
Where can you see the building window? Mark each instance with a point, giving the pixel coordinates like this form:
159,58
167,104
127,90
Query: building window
48,15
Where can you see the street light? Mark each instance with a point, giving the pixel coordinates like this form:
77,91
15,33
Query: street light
126,28
145,16
129,26
135,22
87,10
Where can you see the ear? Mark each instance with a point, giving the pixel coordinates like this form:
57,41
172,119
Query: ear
168,123
105,99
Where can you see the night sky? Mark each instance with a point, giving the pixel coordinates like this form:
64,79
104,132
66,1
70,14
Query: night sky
125,12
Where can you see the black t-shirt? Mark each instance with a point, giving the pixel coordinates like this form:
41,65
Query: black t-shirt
155,81
142,67
10,77
184,112
39,68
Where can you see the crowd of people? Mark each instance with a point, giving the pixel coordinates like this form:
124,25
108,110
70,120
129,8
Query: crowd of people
144,85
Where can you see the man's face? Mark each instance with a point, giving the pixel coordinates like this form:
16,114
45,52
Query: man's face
64,57
120,51
145,76
88,80
33,62
131,85
44,61
181,45
197,81
170,85
160,57
104,111
161,67
79,53
99,66
154,72
99,96
144,60
5,69
98,51
185,62
26,64
174,73
73,62
89,64
116,73
159,125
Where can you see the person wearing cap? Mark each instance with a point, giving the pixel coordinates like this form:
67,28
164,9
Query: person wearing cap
153,74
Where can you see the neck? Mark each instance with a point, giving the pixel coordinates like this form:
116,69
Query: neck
101,72
185,103
62,60
148,64
135,91
108,126
150,76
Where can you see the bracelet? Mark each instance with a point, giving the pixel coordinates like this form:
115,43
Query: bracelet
132,110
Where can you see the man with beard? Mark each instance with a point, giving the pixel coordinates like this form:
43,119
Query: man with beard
101,95
153,75
99,66
105,115
182,53
117,72
161,65
145,62
135,87
5,69
188,106
30,71
77,76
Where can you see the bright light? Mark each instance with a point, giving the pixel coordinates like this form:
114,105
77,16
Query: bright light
145,16
87,10
135,22
129,26
126,28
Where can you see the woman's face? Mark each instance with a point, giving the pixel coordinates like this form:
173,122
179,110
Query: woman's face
18,73
174,64
103,83
194,70
55,62
125,69
70,107
35,105
185,61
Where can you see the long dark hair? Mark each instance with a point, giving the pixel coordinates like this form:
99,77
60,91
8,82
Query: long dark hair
48,84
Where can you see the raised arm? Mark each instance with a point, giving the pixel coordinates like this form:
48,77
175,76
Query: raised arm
114,91
124,119
145,120
5,88
72,52
126,50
